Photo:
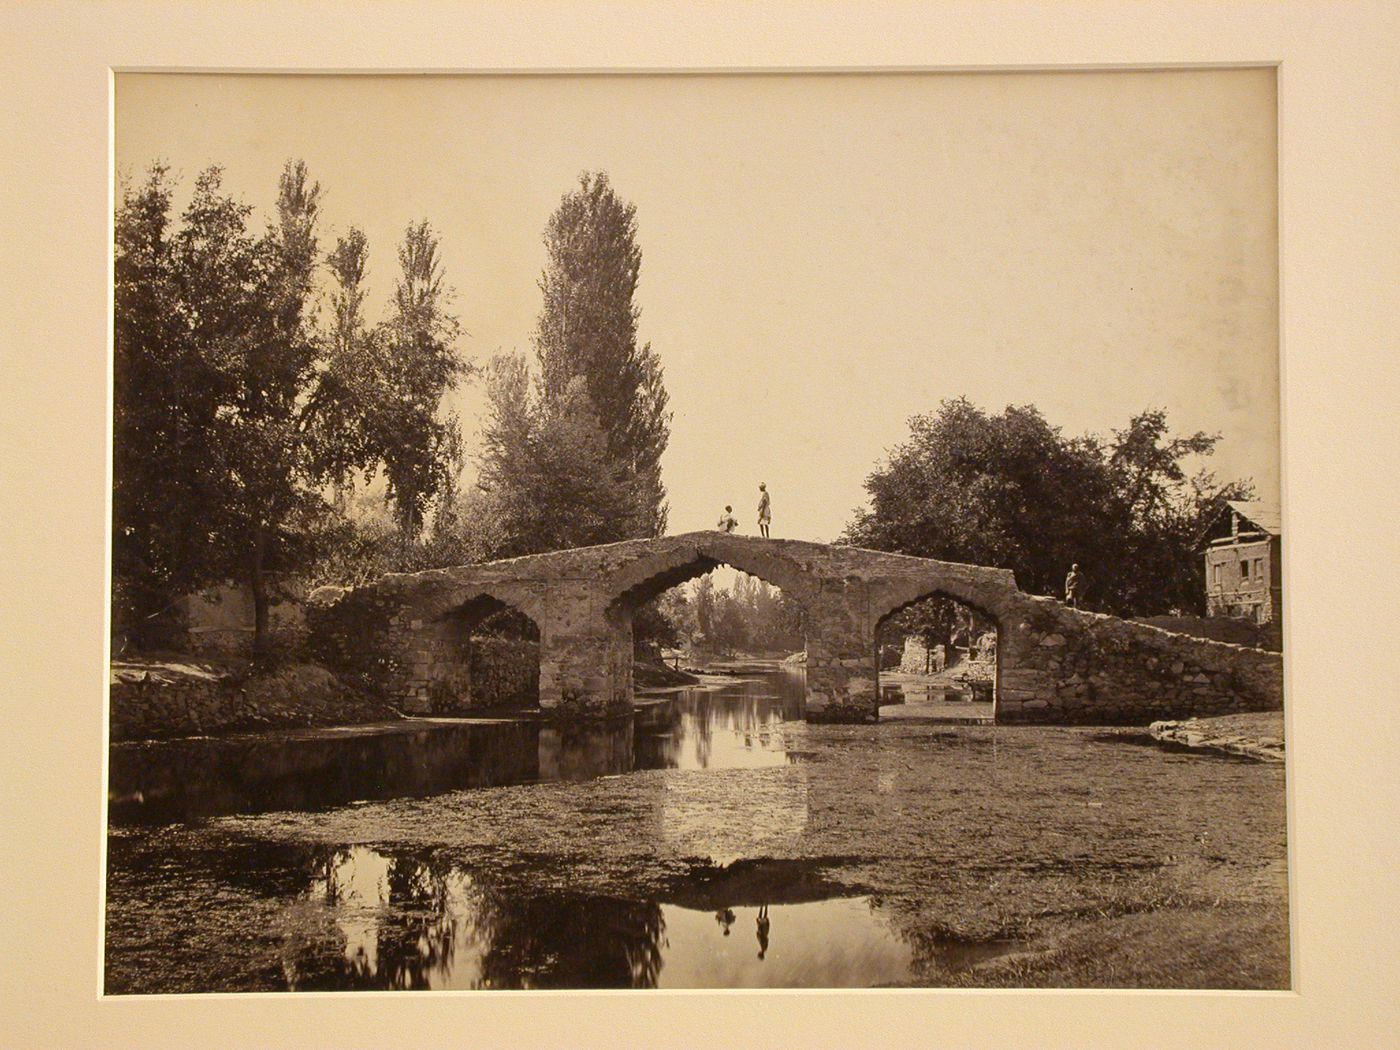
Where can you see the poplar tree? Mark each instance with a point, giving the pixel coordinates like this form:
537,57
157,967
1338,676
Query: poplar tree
588,329
421,445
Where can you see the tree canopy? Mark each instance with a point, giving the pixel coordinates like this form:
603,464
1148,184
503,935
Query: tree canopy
1010,490
235,410
572,456
587,329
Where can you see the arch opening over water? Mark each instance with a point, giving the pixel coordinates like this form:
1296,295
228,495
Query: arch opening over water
939,655
488,657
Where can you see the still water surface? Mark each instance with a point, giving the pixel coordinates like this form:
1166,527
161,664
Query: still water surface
368,919
734,724
507,854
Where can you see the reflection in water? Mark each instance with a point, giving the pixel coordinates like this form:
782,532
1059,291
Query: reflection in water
369,920
731,726
734,725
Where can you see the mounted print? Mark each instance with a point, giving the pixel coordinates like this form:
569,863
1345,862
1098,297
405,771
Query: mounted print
813,530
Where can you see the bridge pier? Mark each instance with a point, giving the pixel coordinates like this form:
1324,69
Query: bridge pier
842,668
585,656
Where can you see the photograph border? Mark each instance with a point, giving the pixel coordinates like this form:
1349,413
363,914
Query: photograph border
79,47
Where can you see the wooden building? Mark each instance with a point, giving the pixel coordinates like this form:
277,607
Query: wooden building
1243,549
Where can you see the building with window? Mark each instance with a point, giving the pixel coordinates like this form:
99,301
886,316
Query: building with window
1243,549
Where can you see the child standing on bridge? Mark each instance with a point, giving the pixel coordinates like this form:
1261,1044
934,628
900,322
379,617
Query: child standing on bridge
765,513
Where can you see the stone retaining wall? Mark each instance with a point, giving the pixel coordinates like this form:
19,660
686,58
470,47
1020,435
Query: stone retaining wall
1078,667
151,700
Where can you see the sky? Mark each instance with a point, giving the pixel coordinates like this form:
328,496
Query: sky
824,256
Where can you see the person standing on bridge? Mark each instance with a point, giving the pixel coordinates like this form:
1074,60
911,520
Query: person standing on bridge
1074,586
765,512
727,522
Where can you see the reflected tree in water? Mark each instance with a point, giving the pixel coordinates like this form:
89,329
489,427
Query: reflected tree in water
560,942
412,917
371,921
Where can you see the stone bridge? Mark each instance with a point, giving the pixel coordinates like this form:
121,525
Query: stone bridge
406,637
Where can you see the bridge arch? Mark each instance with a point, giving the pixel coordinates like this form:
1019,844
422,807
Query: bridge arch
641,580
1000,625
454,665
449,591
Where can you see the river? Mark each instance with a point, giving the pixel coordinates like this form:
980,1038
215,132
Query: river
715,841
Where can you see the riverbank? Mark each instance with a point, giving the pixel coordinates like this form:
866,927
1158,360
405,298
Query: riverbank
173,695
1257,735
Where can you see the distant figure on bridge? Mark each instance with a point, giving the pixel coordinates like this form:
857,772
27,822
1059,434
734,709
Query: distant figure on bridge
765,513
762,930
1074,586
726,520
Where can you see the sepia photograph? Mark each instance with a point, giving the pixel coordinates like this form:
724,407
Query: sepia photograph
696,532
590,525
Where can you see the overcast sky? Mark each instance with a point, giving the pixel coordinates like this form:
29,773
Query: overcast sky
823,256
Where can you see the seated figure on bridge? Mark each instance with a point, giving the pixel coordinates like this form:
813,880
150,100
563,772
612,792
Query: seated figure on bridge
727,522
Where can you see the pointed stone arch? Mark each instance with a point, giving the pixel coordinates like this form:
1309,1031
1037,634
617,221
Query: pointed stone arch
642,579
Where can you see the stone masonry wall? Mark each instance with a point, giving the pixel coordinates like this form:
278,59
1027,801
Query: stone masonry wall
401,636
918,658
426,666
504,672
149,700
1078,667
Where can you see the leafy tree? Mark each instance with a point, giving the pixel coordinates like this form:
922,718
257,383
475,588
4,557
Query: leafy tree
233,411
544,469
731,626
421,448
168,511
1167,508
1010,490
705,608
588,329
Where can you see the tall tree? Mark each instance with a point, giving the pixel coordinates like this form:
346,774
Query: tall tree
421,445
168,506
348,392
588,329
544,469
275,468
705,607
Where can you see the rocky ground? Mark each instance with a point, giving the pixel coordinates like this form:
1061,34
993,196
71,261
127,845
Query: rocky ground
1256,734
